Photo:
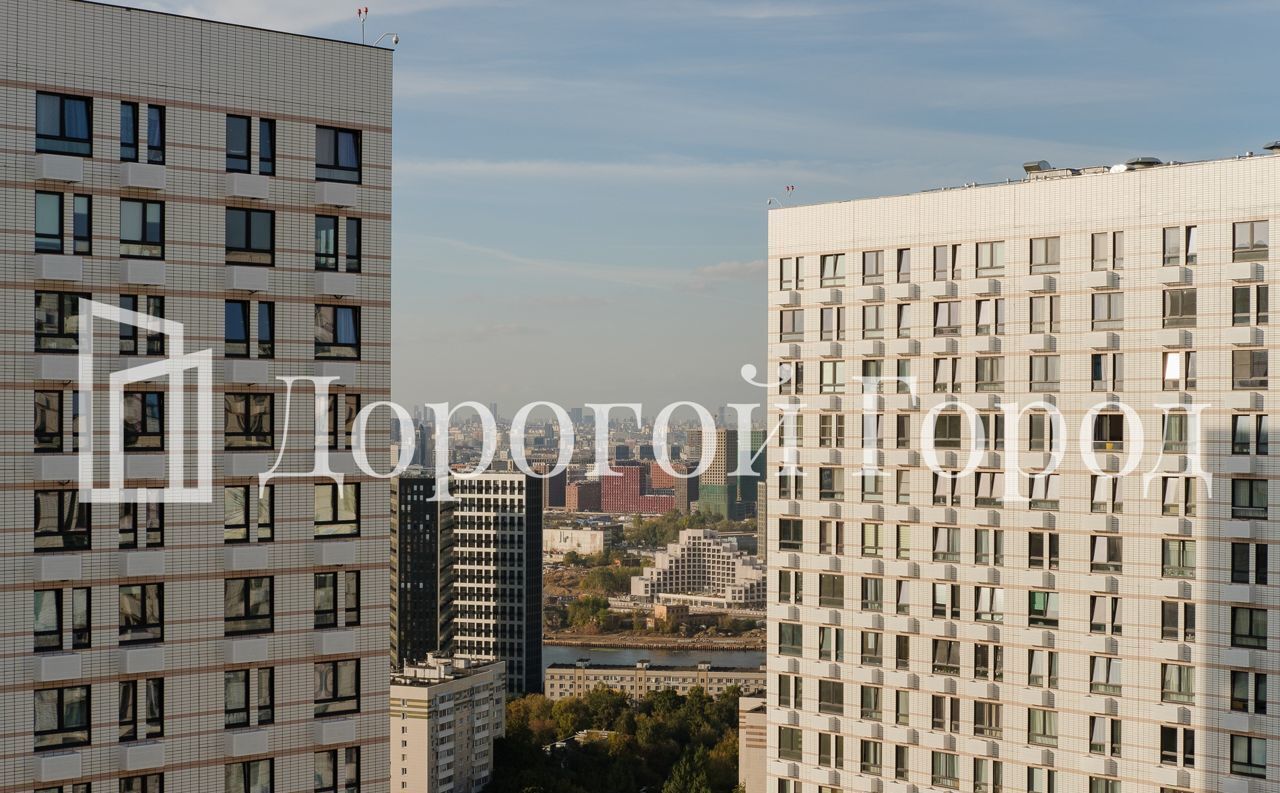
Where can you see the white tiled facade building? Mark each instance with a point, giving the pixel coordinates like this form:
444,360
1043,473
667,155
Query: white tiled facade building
707,568
1090,638
445,715
236,181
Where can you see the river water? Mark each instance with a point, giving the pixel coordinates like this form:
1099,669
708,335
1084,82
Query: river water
557,654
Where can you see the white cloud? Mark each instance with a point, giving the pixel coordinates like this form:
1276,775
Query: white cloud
727,272
299,16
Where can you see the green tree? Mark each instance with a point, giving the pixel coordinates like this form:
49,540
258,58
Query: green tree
570,715
690,774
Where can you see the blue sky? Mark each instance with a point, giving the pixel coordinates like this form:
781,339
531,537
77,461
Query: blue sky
580,187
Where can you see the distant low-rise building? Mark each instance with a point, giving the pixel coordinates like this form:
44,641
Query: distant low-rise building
582,496
579,679
586,537
703,569
630,491
445,715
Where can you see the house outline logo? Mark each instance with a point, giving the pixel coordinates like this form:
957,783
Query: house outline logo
171,367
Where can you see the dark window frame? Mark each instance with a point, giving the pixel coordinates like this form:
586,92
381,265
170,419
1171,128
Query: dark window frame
60,142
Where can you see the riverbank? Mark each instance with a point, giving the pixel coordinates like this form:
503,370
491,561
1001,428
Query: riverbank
631,641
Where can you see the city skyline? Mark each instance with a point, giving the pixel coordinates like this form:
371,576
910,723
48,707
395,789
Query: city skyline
593,179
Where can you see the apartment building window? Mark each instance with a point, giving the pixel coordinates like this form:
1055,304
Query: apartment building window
946,432
1108,310
141,229
1243,305
338,770
61,522
250,776
326,242
1248,369
61,717
1099,784
1042,550
1248,563
902,485
1042,669
945,713
1107,250
832,377
872,594
790,638
248,605
1044,491
153,722
902,596
945,770
1106,494
64,124
239,145
833,323
48,222
1045,373
1046,314
266,147
1177,620
337,510
1170,751
831,536
872,486
1179,371
903,322
1180,308
790,375
1108,432
1042,727
789,691
989,373
1249,756
1040,432
902,430
337,687
1104,614
338,155
941,263
789,276
902,542
1178,558
903,265
326,598
236,698
141,520
1249,499
830,750
946,318
990,319
990,490
1248,627
1042,780
248,421
48,421
988,776
790,483
48,619
872,647
946,601
153,341
1249,241
1042,609
1240,699
831,430
988,547
1177,683
830,643
790,587
988,662
141,613
902,655
146,783
1107,371
1104,675
1105,553
987,720
790,534
872,321
250,236
57,321
990,258
988,604
946,544
341,433
1046,254
869,756
337,332
790,743
155,134
235,334
831,697
1176,240
946,375
872,267
946,657
144,420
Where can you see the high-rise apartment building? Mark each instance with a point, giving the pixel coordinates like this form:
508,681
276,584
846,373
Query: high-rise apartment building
445,714
1092,633
498,564
237,181
422,569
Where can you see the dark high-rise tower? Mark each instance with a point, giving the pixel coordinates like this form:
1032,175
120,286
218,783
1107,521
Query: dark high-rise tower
422,569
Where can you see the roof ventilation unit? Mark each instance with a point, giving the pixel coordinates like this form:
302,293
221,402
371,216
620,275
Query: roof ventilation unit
1037,166
1143,162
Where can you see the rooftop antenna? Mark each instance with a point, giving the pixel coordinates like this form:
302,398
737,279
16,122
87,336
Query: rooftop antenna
789,189
363,14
